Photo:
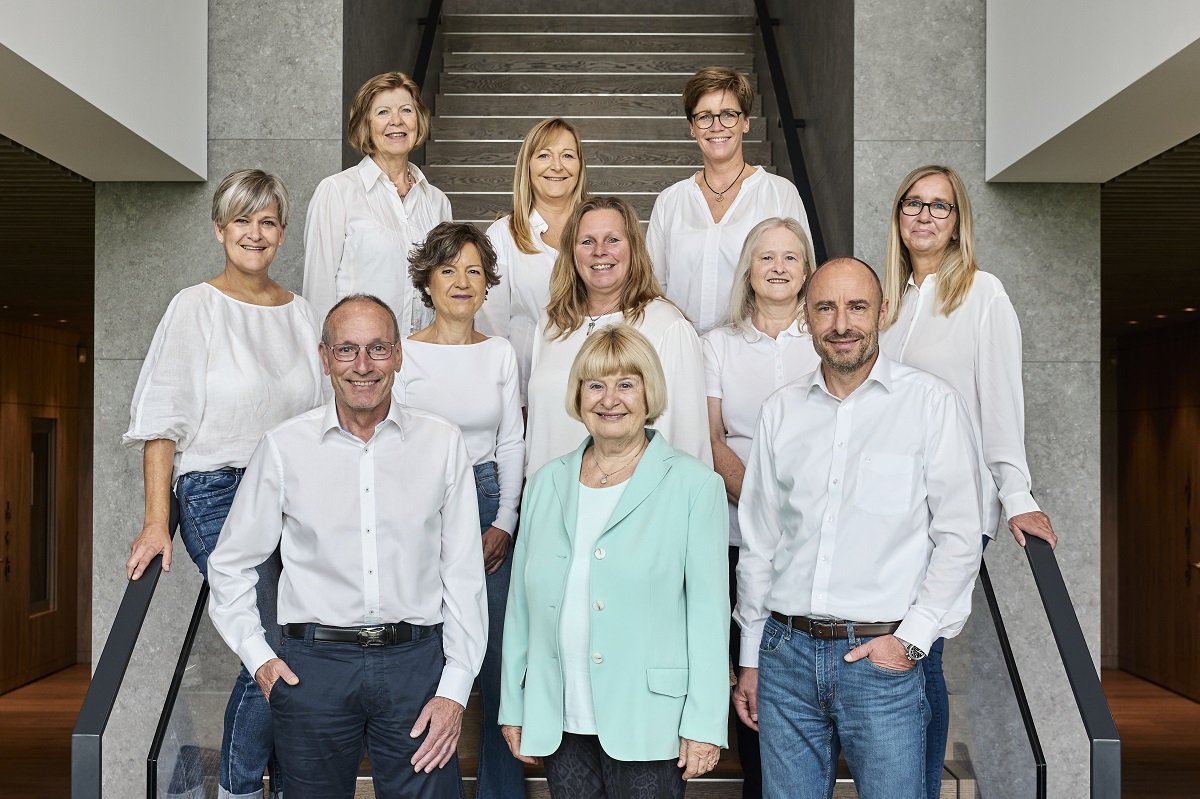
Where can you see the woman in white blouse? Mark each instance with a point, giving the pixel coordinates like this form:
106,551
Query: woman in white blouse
453,370
948,317
550,180
603,276
231,358
698,225
363,222
760,348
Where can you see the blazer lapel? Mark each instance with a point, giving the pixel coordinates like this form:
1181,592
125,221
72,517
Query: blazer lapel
650,471
566,485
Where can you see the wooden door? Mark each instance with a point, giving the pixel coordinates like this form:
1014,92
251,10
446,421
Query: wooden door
39,448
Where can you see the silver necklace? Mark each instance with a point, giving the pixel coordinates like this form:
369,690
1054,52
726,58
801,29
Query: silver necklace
596,460
721,194
595,319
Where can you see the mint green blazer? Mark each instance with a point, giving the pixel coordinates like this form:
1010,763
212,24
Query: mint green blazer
661,570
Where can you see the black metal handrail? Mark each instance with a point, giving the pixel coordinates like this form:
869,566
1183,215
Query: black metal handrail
1014,676
164,718
87,739
432,19
1081,671
787,121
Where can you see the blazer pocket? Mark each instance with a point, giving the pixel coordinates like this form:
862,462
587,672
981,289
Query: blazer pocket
668,682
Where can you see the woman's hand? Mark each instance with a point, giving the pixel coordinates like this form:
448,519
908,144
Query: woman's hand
1034,523
495,549
512,737
696,757
158,457
153,539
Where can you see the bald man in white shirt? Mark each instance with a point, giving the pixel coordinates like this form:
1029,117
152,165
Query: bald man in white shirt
861,522
373,507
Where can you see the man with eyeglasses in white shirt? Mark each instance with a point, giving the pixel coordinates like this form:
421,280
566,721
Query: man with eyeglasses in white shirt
861,524
373,507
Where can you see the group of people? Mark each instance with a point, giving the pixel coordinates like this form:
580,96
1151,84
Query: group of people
620,479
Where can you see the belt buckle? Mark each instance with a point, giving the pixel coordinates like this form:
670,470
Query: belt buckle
819,624
371,636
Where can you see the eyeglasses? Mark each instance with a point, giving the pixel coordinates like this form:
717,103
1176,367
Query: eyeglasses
705,121
937,208
379,351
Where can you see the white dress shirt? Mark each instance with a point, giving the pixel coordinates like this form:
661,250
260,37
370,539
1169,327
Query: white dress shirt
695,257
220,373
513,308
371,532
865,509
358,237
744,368
976,349
551,432
474,386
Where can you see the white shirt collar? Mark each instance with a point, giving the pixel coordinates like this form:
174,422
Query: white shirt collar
881,373
369,173
330,421
537,225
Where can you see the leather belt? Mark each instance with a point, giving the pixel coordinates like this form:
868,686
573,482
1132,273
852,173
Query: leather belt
377,635
828,629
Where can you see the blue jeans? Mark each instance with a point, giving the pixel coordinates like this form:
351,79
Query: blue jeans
247,743
813,704
499,774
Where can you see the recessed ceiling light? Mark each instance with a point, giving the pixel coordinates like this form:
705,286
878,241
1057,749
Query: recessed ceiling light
35,314
1133,321
1160,316
1189,310
62,320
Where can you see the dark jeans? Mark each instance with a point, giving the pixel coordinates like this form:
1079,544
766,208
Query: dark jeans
580,769
747,739
349,694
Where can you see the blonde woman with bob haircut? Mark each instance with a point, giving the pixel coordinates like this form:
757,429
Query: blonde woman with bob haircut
603,277
642,591
948,317
363,222
698,225
232,357
549,181
762,346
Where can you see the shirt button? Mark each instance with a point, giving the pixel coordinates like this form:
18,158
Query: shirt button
370,571
598,605
828,518
600,553
597,657
820,596
835,481
824,557
368,490
368,530
840,443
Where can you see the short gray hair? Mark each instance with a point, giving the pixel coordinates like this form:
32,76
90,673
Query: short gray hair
248,191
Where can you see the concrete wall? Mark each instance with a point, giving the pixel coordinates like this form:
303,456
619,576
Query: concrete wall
275,104
113,90
919,98
1083,90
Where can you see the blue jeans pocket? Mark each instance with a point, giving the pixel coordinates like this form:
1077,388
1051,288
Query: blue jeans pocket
204,501
889,672
772,637
487,480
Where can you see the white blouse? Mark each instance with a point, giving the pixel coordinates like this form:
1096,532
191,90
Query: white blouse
474,386
743,369
976,349
358,236
596,506
220,373
551,432
513,308
695,257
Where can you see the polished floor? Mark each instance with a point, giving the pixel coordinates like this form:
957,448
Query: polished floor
1160,735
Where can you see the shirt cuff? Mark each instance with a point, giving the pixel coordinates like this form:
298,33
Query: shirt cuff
506,520
254,652
1015,504
749,652
455,684
918,631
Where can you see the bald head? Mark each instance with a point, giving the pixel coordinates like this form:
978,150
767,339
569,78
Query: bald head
845,267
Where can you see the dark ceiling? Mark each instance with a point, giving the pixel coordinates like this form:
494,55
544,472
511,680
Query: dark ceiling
1150,243
47,242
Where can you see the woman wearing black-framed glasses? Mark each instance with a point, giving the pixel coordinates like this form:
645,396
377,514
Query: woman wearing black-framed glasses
699,224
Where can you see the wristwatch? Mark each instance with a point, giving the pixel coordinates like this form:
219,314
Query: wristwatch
912,652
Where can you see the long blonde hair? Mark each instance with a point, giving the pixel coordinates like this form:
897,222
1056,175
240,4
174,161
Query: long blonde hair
568,295
538,138
741,296
957,271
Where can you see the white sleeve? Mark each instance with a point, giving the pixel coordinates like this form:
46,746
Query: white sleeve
324,242
464,601
510,446
761,526
685,424
494,317
1002,406
169,399
251,533
790,205
712,366
656,243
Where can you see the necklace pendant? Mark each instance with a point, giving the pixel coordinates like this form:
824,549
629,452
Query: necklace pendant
591,327
603,480
721,197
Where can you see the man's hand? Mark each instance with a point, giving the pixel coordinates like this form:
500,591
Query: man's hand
153,539
495,549
1034,523
885,651
443,717
745,698
697,757
274,669
512,737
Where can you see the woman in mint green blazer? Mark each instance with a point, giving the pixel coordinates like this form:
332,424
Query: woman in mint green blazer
615,667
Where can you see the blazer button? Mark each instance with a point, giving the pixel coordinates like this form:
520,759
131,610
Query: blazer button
598,605
597,657
600,553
